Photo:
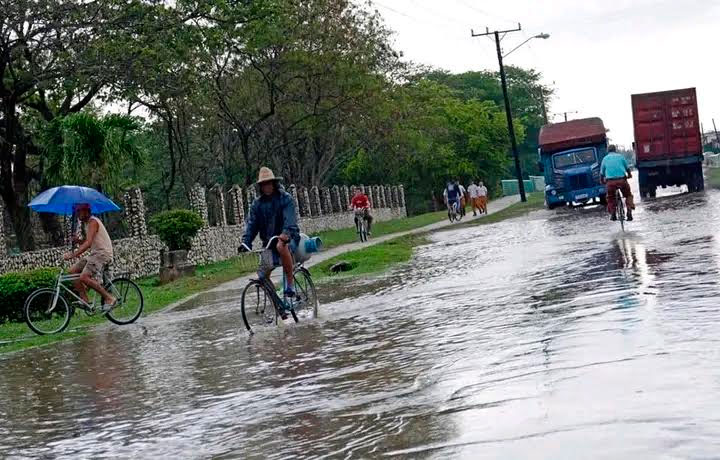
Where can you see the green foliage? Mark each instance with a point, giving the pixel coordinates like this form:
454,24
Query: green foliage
15,287
177,228
84,149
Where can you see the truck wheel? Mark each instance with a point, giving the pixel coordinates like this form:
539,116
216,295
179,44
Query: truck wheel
603,200
551,206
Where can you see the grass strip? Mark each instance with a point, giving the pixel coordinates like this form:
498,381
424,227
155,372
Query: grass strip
713,177
371,260
535,202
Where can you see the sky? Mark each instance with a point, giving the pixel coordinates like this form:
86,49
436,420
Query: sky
598,53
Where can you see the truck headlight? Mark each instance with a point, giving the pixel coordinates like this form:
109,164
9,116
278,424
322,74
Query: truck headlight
553,193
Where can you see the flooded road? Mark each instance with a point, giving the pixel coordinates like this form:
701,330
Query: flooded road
553,337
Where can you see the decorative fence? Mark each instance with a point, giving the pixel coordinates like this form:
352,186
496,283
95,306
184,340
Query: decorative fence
139,255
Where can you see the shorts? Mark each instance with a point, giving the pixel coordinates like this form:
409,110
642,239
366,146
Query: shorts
93,265
270,259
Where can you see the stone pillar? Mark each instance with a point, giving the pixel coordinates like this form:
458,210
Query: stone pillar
219,206
336,199
345,197
371,195
135,213
251,194
326,201
362,188
402,195
67,229
305,202
381,195
3,245
236,205
395,197
388,197
292,190
315,203
198,203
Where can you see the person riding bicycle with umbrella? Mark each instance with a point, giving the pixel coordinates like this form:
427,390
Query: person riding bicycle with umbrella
96,240
273,214
615,172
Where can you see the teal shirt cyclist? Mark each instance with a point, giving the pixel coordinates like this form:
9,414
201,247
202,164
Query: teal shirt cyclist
614,166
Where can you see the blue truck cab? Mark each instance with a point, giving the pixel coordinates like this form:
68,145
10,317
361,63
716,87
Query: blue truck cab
570,155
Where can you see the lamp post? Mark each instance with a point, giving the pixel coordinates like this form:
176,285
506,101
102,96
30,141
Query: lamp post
508,109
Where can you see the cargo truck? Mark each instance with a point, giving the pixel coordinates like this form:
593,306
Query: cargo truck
570,156
668,144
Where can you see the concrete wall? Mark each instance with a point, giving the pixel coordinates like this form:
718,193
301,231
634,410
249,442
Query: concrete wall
138,256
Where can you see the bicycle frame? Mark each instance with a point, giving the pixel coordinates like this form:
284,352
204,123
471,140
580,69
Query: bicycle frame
64,278
267,279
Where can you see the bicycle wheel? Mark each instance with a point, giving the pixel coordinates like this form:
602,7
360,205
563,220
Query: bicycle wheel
258,306
130,301
620,206
363,230
307,302
42,317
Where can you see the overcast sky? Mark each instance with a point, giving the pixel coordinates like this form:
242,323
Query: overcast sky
599,52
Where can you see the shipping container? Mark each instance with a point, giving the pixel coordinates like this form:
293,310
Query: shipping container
668,144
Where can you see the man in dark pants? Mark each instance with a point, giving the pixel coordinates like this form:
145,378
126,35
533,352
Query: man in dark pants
615,172
273,214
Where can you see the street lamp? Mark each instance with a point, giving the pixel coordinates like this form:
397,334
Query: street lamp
508,109
542,36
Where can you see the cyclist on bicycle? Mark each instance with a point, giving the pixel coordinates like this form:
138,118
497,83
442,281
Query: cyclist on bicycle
452,196
96,239
360,203
615,172
273,214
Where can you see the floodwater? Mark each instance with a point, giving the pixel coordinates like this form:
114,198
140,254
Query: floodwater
557,337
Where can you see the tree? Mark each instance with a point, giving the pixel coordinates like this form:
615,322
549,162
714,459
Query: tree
56,58
528,100
84,149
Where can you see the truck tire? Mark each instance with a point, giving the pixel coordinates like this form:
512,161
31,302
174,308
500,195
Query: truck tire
552,206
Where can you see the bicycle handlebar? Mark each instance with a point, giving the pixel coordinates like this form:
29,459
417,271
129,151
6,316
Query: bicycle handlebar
267,246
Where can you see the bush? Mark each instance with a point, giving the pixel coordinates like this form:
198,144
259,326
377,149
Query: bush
177,228
15,287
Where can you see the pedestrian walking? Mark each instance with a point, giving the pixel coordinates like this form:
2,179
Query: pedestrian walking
483,197
463,198
473,190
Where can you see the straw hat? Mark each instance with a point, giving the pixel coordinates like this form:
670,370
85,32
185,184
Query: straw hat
266,175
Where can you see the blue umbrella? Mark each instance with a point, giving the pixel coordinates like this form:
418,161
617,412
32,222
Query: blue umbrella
60,200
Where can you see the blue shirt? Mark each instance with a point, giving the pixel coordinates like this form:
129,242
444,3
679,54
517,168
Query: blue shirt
614,166
270,216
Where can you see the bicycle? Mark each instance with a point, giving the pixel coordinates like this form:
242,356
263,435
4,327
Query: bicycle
261,305
454,212
620,208
361,225
46,310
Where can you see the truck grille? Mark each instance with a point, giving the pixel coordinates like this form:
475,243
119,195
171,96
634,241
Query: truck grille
578,181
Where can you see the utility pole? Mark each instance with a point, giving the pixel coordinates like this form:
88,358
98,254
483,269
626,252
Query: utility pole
508,110
542,101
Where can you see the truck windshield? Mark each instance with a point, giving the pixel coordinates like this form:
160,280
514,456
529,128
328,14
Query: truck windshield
578,157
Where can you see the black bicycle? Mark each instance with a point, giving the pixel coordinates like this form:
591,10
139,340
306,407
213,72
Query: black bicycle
620,208
262,305
361,225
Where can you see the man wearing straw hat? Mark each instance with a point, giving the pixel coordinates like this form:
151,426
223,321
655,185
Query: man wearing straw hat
273,214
